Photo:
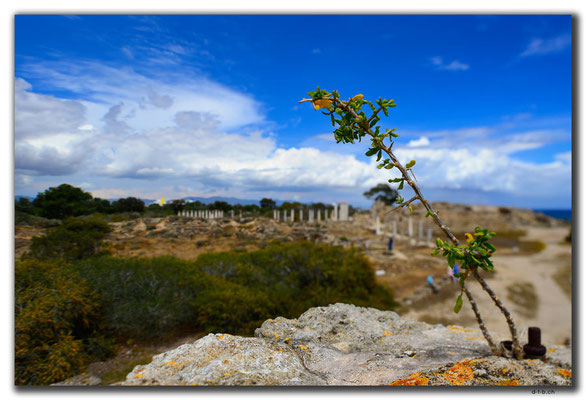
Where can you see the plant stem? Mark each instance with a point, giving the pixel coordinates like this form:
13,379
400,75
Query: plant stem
517,351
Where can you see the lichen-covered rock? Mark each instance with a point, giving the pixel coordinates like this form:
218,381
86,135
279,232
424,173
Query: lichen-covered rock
225,360
347,345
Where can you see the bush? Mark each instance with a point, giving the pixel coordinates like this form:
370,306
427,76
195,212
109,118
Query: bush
74,239
56,322
143,298
229,291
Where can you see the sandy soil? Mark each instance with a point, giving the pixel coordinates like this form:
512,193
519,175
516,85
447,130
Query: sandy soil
549,307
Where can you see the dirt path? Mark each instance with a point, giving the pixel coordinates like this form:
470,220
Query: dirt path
528,287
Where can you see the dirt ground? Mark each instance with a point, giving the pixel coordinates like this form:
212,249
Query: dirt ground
535,288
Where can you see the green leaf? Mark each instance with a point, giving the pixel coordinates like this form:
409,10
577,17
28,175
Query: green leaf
371,152
379,156
427,214
458,305
435,252
461,281
451,260
410,164
401,185
410,209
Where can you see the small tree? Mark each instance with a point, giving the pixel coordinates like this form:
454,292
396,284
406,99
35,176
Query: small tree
383,193
353,125
267,203
63,201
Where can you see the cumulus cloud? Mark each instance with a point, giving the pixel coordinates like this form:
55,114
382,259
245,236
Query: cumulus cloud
198,140
541,46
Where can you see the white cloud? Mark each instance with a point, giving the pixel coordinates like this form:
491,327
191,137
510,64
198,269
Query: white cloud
540,46
421,142
116,140
455,65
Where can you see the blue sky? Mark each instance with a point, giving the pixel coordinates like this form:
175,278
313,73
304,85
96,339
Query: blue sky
183,105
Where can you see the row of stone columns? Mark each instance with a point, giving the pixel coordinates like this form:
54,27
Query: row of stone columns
341,214
420,229
206,214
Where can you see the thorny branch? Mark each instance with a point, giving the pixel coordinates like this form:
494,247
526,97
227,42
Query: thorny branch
365,126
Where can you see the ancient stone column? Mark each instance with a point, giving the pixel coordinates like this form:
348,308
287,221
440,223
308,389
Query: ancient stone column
319,215
301,215
232,214
377,225
410,227
429,233
344,211
310,214
420,230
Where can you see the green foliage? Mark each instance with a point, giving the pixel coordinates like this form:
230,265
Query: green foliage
57,318
475,254
383,193
267,203
63,201
231,292
24,205
128,204
74,239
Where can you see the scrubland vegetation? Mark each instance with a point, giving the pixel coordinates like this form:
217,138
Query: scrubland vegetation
74,303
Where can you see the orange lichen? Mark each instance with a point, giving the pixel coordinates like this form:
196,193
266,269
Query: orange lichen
514,382
564,372
460,373
415,379
387,333
550,350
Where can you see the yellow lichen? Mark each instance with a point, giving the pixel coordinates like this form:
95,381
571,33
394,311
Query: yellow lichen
170,363
302,347
387,333
550,350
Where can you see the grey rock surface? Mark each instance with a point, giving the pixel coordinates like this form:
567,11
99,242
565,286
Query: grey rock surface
347,345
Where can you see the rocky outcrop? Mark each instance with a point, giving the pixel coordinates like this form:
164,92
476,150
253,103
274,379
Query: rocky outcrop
347,345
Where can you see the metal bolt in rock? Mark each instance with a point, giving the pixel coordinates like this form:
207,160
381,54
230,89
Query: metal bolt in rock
534,349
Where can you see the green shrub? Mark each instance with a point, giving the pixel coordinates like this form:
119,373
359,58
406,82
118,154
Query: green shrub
56,323
143,298
228,291
74,239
